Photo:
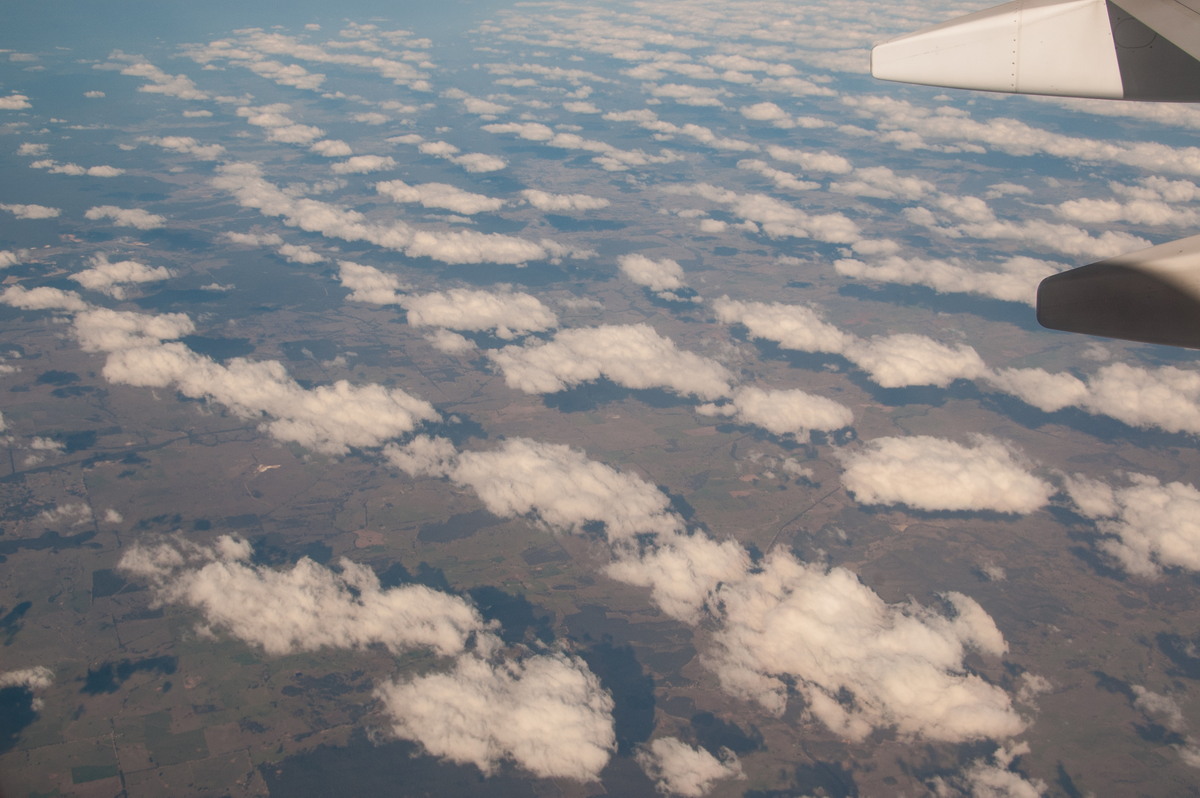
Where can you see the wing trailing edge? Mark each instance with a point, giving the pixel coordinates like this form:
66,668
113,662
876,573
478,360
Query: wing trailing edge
1135,50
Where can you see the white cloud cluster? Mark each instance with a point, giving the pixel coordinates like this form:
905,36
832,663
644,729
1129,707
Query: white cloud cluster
782,412
110,278
328,418
557,485
246,183
439,195
15,102
303,609
39,677
508,314
777,623
774,217
662,277
893,361
280,128
31,211
677,768
547,713
665,131
633,355
994,777
362,164
470,161
1166,711
1149,526
1014,280
928,473
368,284
187,145
126,217
860,663
919,124
559,203
160,82
608,157
42,298
74,169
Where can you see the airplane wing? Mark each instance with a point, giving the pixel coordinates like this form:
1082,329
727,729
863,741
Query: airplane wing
1124,50
1137,50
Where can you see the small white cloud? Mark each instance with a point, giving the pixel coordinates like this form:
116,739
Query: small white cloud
361,164
31,211
126,217
679,769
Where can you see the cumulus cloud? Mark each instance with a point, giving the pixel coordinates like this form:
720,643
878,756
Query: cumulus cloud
470,161
994,777
245,182
547,713
783,412
331,148
187,145
327,418
1015,280
111,278
631,355
306,608
439,195
608,157
1148,526
679,769
558,203
928,473
361,164
56,168
859,663
126,217
1165,711
663,277
777,623
31,211
42,298
368,284
896,361
776,218
506,313
14,102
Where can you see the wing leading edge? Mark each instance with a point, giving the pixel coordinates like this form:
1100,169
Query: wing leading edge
1134,50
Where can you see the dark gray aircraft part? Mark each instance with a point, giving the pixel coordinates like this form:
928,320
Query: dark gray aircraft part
1131,50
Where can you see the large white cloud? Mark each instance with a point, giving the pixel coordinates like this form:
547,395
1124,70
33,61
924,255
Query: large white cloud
439,195
555,484
547,713
305,608
783,412
110,277
1149,526
859,663
664,277
507,313
247,185
31,211
928,473
632,355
